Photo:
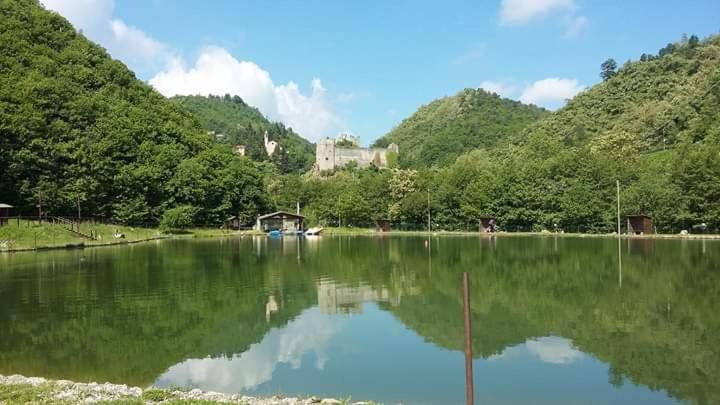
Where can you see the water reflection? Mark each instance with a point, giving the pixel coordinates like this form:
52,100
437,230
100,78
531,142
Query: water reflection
375,318
553,349
309,333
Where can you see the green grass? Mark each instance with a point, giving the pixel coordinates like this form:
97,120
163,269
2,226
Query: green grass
27,234
46,393
157,395
26,393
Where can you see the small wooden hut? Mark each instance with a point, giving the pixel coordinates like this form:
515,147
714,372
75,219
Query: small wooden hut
640,225
4,213
382,225
487,224
233,222
280,221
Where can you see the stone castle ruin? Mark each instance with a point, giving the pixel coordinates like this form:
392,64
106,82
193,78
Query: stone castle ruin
330,156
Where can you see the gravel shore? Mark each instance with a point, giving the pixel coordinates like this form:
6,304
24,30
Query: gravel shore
19,389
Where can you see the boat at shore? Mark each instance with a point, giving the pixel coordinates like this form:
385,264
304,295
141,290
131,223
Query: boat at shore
314,231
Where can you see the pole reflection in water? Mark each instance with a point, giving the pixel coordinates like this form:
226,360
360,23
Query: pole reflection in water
468,341
619,263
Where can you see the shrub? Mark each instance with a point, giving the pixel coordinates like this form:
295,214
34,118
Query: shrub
178,219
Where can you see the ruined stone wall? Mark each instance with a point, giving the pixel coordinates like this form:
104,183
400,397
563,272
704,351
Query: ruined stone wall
330,157
362,156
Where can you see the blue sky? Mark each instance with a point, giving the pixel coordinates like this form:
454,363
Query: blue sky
329,66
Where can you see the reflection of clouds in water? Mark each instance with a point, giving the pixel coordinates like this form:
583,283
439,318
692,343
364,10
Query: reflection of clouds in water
549,349
309,332
553,349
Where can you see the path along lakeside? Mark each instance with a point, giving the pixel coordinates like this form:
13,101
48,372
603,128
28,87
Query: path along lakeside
213,233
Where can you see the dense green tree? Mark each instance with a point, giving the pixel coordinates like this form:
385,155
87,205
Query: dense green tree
608,69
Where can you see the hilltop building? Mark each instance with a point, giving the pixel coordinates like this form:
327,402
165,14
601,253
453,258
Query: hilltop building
330,156
270,146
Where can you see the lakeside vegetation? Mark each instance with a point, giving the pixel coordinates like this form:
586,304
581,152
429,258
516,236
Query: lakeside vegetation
82,134
30,234
23,390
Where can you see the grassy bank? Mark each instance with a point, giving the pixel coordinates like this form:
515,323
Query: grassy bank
29,235
17,389
372,231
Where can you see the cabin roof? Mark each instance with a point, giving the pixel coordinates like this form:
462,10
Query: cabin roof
5,205
280,215
638,216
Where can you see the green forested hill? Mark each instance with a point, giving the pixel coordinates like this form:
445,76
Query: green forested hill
78,129
238,123
647,104
441,131
653,126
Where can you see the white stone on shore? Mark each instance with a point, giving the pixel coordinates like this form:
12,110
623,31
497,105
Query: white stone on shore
69,391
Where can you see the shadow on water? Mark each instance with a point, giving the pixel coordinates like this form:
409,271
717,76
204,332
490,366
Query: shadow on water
644,311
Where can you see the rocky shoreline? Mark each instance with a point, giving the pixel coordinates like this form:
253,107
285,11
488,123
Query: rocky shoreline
19,389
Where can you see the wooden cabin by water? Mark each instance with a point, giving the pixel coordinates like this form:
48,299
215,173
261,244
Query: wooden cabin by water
487,224
382,225
640,225
4,213
233,222
281,221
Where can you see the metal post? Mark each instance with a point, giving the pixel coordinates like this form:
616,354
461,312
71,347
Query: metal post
468,341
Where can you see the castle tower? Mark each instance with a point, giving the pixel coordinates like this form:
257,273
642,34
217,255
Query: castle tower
325,154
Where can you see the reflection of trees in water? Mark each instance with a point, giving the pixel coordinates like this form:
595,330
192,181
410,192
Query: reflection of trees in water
658,329
128,314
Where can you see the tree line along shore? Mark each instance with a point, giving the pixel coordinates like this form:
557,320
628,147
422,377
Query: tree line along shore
82,136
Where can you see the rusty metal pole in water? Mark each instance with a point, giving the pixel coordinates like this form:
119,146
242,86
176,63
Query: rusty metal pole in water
468,341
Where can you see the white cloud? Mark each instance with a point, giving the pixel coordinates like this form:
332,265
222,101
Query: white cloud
95,19
216,71
310,332
523,11
551,92
500,88
577,25
554,350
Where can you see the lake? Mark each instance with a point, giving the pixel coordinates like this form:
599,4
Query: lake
554,320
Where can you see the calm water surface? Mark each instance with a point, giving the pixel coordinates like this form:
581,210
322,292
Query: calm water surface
554,320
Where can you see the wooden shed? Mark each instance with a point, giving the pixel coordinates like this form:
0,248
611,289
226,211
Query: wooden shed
281,221
4,213
382,225
233,222
487,224
640,225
